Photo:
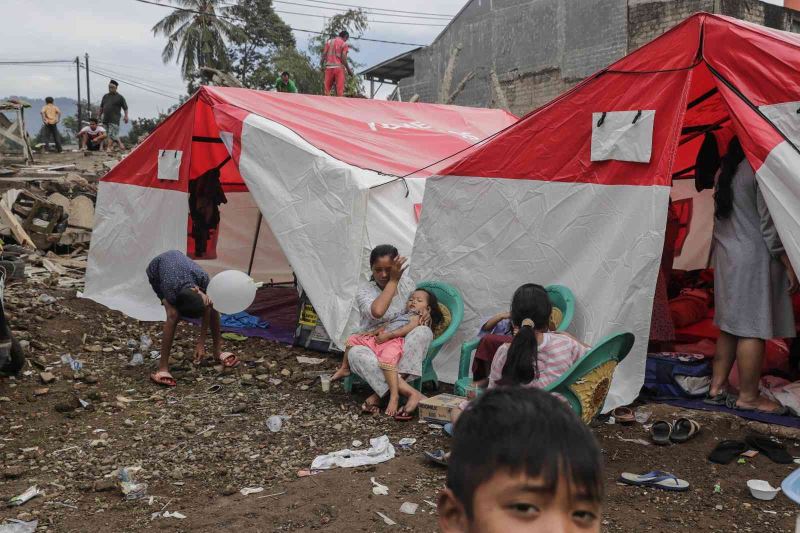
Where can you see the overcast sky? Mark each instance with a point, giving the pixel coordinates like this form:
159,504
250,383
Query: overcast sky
116,35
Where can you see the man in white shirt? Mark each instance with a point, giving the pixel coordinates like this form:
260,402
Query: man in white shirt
92,136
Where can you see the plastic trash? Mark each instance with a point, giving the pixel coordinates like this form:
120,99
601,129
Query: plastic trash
357,444
155,354
46,299
251,490
74,364
128,485
136,360
132,344
174,514
409,508
29,494
406,442
18,526
274,423
380,450
642,415
145,343
386,520
378,489
325,381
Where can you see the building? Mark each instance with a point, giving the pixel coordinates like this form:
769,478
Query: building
520,54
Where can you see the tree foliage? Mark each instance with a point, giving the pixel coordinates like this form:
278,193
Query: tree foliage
354,22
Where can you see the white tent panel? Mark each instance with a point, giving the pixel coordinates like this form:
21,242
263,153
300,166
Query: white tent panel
778,179
488,236
697,247
121,249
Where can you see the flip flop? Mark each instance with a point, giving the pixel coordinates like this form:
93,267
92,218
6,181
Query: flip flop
655,479
730,403
402,416
623,415
234,337
683,430
228,360
370,408
163,378
719,399
438,457
660,432
726,451
774,451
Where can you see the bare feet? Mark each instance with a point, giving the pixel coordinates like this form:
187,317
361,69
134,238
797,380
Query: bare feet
413,402
341,373
761,404
394,402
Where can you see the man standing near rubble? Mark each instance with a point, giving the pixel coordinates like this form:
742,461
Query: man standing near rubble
335,64
181,285
51,115
111,107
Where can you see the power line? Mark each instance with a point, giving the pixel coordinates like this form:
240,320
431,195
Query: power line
134,84
37,62
228,18
371,21
339,10
138,79
366,8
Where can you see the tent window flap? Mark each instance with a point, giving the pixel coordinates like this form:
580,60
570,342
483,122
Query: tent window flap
169,164
623,135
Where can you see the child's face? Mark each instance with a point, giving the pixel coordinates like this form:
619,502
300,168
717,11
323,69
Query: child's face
418,301
517,503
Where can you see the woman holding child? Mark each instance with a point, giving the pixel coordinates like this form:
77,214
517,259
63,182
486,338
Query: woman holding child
393,336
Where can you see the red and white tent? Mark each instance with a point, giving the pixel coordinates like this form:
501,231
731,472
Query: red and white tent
322,171
577,191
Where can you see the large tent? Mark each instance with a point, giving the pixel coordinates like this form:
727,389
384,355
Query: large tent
322,172
577,191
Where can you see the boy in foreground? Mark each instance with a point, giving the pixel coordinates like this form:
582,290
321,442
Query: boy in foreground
181,286
521,461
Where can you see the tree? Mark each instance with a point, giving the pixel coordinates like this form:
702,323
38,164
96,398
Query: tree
198,35
263,35
355,22
303,70
142,127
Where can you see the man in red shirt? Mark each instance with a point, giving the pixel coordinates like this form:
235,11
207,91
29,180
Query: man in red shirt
334,62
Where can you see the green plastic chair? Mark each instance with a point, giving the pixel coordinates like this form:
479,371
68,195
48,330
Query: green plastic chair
560,296
586,383
450,298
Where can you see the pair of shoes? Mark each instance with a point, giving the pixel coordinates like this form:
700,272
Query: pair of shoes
728,450
682,430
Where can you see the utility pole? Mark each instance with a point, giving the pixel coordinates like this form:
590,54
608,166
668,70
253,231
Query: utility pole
88,97
78,76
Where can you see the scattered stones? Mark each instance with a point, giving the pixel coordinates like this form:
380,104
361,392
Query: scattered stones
104,485
229,490
91,379
286,372
47,377
13,472
41,391
228,381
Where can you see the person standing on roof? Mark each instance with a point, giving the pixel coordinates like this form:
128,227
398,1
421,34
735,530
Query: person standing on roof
334,63
285,84
51,115
111,107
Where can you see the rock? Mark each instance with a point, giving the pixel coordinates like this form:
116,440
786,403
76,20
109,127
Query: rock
13,472
47,377
94,348
286,372
128,422
65,407
303,387
238,408
262,377
176,474
190,427
229,490
91,379
41,391
228,381
98,443
104,485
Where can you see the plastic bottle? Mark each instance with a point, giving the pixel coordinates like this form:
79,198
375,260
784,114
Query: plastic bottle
136,360
145,343
274,423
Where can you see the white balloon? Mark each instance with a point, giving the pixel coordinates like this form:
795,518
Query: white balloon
231,291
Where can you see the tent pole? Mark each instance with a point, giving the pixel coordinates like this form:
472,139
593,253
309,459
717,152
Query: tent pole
255,243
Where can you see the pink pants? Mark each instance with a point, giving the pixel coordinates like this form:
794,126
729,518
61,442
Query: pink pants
389,353
334,75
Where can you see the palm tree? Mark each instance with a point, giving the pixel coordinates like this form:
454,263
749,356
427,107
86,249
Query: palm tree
197,32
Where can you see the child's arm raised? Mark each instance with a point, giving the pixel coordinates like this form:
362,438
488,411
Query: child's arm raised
492,322
399,332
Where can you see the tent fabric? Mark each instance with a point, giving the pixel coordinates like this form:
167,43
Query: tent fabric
531,205
322,172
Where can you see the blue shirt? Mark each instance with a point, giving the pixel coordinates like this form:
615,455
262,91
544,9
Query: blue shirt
171,272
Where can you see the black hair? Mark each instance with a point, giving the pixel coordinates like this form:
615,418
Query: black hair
344,33
114,83
92,119
723,195
523,430
285,73
529,301
436,313
382,250
190,304
48,100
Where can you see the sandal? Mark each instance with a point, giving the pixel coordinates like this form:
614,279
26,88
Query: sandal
439,457
720,399
655,479
402,416
370,408
623,415
683,430
163,378
774,451
660,432
731,403
726,451
228,360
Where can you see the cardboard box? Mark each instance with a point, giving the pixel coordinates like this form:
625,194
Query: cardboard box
438,408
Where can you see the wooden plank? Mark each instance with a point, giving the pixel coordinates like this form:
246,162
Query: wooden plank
16,228
53,267
65,261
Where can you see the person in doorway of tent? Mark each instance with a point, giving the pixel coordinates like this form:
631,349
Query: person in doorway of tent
205,197
380,300
111,107
522,461
285,83
51,116
181,285
335,64
92,136
387,341
662,329
753,284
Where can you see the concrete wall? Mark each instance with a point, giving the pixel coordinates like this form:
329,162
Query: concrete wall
520,54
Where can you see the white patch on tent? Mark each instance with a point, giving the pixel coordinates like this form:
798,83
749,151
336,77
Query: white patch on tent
169,164
489,236
697,246
779,180
133,225
623,135
227,140
786,117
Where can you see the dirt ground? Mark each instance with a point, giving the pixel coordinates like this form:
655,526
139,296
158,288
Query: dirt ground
198,448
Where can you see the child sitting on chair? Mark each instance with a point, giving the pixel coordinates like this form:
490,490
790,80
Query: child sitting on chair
387,340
